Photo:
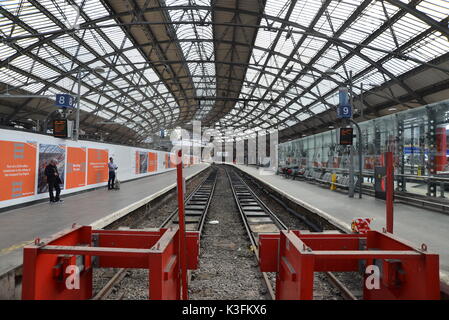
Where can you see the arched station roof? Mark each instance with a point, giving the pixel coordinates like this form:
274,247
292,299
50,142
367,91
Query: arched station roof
240,65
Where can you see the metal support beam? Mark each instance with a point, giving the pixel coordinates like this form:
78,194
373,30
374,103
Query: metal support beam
421,15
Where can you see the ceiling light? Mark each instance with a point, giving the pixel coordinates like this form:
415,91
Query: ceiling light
99,70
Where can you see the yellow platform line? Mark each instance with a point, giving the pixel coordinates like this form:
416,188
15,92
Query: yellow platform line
15,246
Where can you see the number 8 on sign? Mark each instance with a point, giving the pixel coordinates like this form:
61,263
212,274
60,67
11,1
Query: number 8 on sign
64,101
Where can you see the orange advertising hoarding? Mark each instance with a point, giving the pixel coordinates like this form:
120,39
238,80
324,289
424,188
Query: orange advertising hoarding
167,162
76,167
170,160
137,162
152,162
17,169
97,169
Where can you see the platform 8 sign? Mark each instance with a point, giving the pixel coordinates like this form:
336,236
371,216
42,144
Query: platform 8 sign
65,101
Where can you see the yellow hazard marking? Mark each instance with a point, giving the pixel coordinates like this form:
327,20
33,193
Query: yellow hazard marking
15,246
334,180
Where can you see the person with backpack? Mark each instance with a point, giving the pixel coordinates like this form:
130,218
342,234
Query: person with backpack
112,168
53,181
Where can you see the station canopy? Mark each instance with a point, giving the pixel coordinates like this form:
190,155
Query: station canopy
242,65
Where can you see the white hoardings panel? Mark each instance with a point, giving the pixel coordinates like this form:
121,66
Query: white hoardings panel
229,151
240,151
252,149
261,149
81,164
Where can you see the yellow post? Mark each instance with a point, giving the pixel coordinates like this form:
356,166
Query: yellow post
334,179
419,171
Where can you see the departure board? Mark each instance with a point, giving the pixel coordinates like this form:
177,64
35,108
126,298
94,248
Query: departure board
60,128
346,136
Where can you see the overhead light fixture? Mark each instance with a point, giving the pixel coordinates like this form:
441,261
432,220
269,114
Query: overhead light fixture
330,71
392,109
331,127
99,70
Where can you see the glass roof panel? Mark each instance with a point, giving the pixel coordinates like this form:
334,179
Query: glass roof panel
286,73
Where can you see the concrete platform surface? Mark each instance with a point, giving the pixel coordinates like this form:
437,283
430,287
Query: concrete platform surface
98,208
413,224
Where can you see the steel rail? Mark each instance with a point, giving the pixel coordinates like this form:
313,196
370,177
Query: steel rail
251,235
197,204
208,184
347,294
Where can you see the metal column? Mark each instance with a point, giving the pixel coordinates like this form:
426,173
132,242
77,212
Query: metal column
432,150
351,149
401,155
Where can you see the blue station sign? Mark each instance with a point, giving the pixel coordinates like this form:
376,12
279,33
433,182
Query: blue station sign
65,101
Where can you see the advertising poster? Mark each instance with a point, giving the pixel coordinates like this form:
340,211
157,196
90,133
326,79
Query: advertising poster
97,169
137,162
152,162
143,162
48,152
18,169
167,161
172,160
76,167
186,160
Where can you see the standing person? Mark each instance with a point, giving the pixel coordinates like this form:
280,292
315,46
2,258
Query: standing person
53,180
112,168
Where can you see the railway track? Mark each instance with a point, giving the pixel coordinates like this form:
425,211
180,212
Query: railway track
258,218
196,207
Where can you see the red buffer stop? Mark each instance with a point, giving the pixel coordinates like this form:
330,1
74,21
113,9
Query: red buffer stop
403,271
61,267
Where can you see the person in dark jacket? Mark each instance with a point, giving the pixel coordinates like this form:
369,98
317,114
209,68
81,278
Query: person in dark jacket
53,180
112,168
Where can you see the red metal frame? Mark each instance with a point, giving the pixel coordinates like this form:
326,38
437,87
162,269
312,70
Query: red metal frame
441,146
182,244
405,272
44,263
389,190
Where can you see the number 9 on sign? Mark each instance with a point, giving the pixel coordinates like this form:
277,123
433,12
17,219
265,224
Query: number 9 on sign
344,112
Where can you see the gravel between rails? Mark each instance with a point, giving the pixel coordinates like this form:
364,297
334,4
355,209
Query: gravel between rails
228,269
323,289
135,284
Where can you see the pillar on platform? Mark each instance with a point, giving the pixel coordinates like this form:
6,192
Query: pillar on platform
441,149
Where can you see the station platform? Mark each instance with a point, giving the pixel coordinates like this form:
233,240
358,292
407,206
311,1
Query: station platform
97,208
413,224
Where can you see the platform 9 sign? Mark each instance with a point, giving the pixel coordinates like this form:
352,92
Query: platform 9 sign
344,112
344,109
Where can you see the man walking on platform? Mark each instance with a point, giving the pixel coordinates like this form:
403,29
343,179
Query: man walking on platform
112,167
53,180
